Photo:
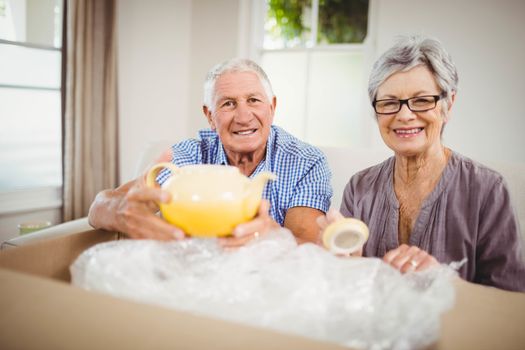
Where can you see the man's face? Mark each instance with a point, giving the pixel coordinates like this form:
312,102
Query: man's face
241,114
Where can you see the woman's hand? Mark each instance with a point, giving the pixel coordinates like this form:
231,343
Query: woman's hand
245,232
323,221
409,258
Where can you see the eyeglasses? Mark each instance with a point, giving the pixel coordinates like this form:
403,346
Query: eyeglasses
415,104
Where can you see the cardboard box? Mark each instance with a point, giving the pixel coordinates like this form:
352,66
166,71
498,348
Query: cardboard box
40,310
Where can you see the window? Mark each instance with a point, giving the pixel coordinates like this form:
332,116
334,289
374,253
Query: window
30,99
313,52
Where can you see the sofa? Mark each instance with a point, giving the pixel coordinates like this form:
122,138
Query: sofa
344,162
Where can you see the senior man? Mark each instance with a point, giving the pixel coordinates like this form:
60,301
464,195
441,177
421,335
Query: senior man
239,105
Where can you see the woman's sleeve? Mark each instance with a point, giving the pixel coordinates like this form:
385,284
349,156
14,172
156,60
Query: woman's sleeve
499,251
347,203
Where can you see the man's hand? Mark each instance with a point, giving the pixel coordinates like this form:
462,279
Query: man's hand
131,209
243,233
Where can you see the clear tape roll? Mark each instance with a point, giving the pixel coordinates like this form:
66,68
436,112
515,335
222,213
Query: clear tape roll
345,236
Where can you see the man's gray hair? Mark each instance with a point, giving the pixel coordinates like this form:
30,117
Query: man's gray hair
230,66
412,51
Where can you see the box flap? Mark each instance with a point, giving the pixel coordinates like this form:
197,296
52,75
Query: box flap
39,313
484,318
51,258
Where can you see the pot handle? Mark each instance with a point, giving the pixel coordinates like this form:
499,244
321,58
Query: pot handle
253,192
154,171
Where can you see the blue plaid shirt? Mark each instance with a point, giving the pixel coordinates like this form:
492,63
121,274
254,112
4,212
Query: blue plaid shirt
303,175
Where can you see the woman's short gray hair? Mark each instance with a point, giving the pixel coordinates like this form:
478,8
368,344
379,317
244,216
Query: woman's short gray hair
234,65
412,51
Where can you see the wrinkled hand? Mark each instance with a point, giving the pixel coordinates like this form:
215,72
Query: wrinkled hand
136,214
409,258
323,221
245,232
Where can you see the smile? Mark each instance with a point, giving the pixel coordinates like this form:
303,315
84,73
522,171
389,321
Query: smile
245,132
408,132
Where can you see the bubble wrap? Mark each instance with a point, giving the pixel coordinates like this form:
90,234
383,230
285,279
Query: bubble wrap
275,283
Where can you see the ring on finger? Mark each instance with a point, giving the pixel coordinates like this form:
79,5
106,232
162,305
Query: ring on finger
413,263
256,235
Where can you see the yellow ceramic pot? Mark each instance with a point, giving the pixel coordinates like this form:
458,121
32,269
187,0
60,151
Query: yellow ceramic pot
209,200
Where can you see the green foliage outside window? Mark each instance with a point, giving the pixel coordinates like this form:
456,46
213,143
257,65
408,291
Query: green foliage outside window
288,16
340,21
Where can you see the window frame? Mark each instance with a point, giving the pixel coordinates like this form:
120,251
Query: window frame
39,198
255,49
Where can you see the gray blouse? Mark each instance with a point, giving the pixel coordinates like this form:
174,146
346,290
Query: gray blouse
467,215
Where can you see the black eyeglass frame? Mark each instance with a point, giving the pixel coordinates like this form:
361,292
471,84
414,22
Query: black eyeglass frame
405,102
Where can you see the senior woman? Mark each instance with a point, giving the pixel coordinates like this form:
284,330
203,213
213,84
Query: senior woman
428,204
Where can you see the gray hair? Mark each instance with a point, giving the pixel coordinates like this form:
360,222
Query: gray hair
234,65
412,51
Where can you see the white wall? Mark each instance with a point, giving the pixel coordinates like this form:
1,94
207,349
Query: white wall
153,75
213,40
165,49
486,41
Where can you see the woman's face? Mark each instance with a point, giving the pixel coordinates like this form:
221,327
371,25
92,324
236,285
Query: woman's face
406,132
